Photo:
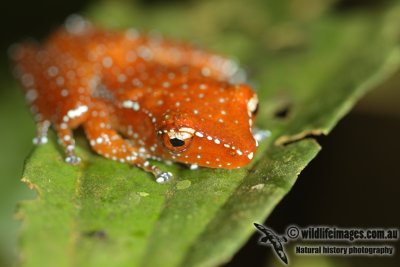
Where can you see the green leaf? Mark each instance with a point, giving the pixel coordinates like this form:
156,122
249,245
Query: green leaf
105,213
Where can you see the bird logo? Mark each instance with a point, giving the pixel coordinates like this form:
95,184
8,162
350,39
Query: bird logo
271,238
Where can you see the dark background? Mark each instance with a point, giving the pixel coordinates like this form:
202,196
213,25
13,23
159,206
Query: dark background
353,182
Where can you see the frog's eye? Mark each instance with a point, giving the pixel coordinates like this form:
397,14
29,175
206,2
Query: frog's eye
177,141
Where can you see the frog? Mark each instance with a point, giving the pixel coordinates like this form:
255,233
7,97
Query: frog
138,97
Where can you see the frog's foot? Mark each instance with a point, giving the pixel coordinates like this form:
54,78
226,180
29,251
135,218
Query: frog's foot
66,139
163,177
42,128
194,166
260,135
72,159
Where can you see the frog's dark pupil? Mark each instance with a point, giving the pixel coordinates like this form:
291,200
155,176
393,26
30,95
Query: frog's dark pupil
176,142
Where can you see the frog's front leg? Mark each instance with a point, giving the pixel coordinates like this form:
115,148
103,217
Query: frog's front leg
260,134
63,126
42,128
107,142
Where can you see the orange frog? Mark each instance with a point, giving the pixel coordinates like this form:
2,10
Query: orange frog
137,97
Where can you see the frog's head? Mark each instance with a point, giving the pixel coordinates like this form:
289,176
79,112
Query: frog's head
210,128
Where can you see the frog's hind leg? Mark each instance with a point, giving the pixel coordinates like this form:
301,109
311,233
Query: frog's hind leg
108,143
56,99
